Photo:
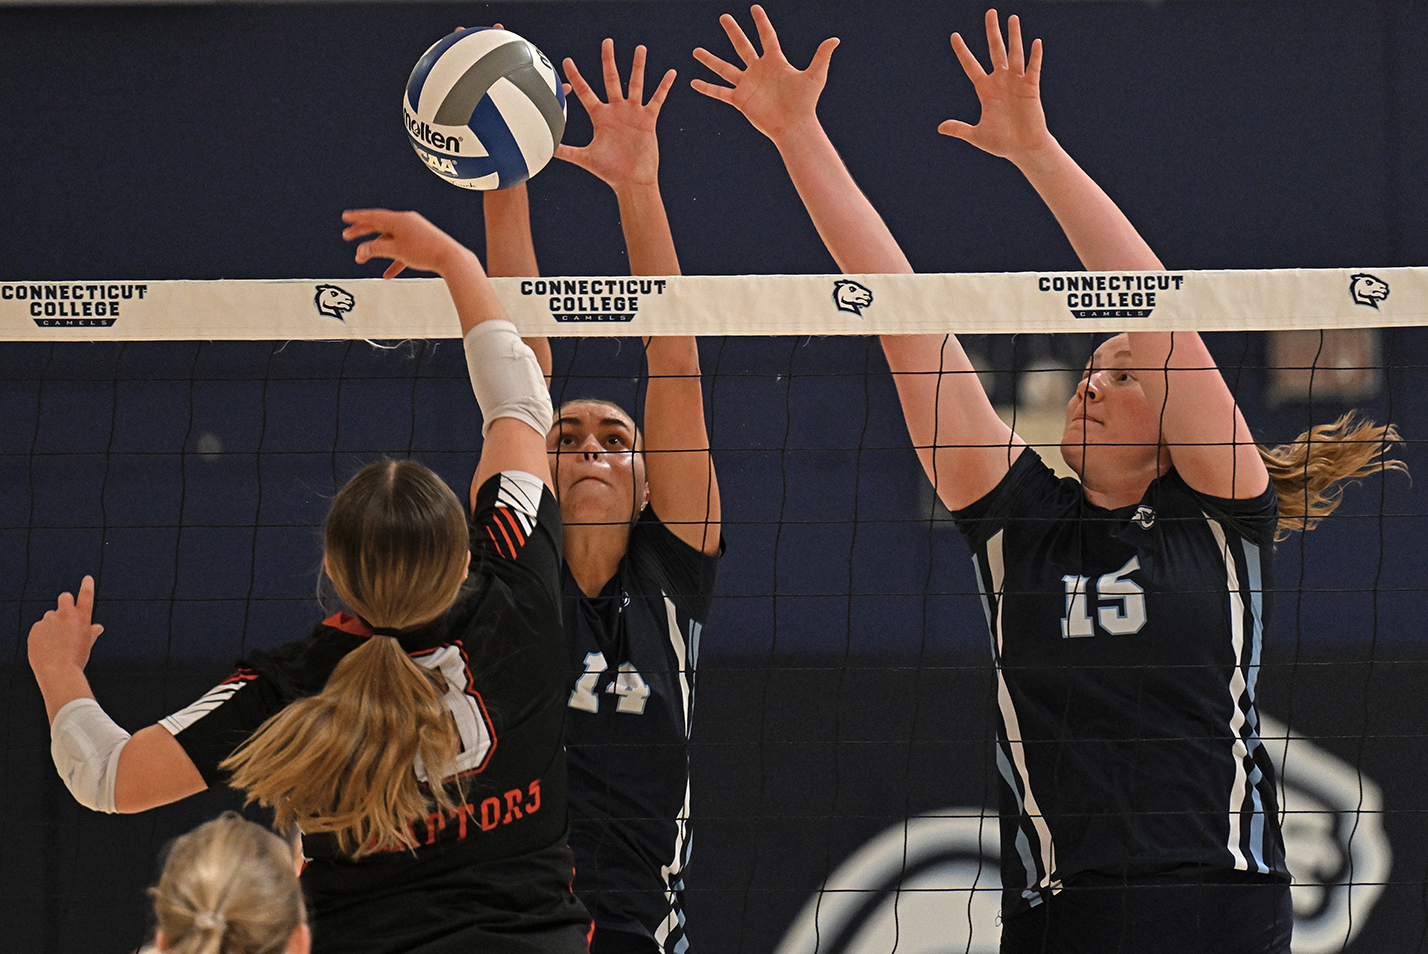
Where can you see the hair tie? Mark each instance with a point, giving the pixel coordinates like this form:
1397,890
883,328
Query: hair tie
210,921
392,631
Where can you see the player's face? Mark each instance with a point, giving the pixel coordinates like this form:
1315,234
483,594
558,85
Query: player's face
596,464
1110,425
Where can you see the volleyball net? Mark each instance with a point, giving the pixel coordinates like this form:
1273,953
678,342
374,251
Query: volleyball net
181,441
993,303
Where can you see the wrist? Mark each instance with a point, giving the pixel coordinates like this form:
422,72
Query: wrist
798,132
1042,159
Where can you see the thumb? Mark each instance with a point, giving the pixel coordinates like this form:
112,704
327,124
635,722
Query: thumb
822,57
957,129
575,155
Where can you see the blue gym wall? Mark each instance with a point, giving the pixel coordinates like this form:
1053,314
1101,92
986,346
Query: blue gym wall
844,682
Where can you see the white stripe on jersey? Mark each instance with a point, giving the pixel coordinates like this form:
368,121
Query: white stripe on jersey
675,868
676,639
671,871
520,492
997,566
210,700
1242,786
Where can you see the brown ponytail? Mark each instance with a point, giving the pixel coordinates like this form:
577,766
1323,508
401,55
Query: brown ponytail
1308,472
342,761
228,887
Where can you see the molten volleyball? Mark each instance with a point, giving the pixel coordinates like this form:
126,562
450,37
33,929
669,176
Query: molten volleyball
484,109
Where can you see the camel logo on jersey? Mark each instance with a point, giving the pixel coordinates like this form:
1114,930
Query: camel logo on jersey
1368,289
333,302
850,296
1144,517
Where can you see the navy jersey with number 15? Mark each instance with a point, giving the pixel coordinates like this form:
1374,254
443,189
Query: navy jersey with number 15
1127,647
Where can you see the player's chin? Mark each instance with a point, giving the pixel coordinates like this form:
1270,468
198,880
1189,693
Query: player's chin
1073,451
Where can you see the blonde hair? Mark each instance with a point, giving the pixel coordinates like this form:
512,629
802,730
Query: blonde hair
342,762
228,887
1308,472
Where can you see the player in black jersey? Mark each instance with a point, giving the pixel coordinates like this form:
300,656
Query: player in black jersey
417,741
1127,608
642,545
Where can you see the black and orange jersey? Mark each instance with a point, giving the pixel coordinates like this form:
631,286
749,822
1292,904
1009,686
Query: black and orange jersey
494,874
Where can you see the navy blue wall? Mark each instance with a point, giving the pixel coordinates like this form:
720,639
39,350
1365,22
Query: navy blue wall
844,682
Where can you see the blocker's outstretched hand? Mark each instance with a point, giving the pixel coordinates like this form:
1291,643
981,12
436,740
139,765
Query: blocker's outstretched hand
771,92
406,238
1012,122
624,150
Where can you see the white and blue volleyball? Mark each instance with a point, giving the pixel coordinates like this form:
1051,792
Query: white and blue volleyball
484,109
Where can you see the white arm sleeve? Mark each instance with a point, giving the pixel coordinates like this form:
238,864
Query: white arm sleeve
85,744
506,377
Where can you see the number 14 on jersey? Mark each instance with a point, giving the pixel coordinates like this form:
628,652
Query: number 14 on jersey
632,690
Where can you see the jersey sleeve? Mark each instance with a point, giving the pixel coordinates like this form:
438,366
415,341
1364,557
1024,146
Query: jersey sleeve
1024,491
265,681
222,719
516,531
687,574
1254,518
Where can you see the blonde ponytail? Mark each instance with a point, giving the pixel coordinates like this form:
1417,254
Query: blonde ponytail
228,887
1309,471
342,762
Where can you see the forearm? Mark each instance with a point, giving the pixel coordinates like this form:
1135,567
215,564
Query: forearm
1104,239
471,291
60,686
510,249
648,240
851,229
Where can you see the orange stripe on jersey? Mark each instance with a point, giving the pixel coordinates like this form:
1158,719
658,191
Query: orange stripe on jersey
496,544
511,546
514,523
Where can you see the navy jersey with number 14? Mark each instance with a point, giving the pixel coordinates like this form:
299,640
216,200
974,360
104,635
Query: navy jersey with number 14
634,649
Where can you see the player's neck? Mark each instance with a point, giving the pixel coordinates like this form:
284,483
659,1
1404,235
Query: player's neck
593,553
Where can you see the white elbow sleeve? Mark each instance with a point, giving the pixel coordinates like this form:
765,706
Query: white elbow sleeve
506,377
86,744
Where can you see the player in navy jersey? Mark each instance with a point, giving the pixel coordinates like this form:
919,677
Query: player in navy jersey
642,544
415,741
1127,608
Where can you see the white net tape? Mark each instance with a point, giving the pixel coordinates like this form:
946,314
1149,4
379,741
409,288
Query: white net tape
370,308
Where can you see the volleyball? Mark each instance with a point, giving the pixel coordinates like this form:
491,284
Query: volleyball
484,109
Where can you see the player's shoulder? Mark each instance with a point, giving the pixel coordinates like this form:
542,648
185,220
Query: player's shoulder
1029,488
1254,518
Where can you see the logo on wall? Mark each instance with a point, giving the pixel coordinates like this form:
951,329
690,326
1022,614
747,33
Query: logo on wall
932,884
1367,289
333,302
850,296
1111,296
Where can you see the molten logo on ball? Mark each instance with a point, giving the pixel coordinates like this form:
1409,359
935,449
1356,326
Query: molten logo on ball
484,109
